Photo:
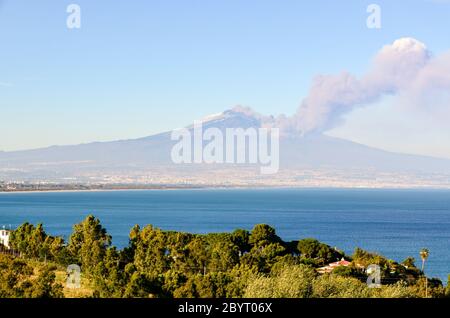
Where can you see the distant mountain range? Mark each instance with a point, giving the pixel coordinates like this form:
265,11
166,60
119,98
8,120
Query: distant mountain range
150,156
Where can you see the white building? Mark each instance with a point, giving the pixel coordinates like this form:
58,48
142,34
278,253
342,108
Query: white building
4,237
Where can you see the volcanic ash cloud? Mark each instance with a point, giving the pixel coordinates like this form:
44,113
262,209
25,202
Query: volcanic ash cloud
404,68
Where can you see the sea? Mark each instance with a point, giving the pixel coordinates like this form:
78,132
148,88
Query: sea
394,223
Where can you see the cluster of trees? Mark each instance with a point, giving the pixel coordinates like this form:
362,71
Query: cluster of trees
34,243
18,278
254,263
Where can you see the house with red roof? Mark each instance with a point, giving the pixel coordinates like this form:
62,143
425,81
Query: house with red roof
330,267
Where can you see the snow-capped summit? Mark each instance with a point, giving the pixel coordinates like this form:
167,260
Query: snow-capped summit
236,117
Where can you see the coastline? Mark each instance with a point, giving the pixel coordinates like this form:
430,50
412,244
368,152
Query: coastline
234,187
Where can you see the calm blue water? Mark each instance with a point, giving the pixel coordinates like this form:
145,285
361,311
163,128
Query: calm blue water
395,223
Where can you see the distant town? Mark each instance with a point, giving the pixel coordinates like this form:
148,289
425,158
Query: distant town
215,177
48,186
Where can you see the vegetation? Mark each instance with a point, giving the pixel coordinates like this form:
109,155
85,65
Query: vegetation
166,264
19,279
424,256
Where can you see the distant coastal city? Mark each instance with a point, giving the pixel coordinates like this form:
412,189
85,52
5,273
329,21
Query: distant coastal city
233,178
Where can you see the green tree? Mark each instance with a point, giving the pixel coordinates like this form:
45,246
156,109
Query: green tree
348,271
288,282
142,286
447,290
151,255
240,277
409,262
19,279
197,255
337,286
264,257
45,286
109,277
241,238
224,256
263,234
173,280
424,253
313,249
88,243
33,242
211,285
128,252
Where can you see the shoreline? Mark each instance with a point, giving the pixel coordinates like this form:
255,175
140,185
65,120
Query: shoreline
252,187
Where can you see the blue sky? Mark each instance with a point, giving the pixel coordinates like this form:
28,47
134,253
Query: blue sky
140,67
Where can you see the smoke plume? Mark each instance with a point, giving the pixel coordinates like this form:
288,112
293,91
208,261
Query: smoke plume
404,68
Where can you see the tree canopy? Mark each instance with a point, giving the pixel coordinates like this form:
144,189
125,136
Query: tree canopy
157,263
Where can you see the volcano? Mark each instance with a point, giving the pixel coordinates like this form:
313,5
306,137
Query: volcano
151,156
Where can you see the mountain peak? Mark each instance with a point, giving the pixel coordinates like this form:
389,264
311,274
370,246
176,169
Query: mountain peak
235,117
242,110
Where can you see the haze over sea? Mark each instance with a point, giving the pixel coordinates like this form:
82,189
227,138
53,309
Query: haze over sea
394,223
